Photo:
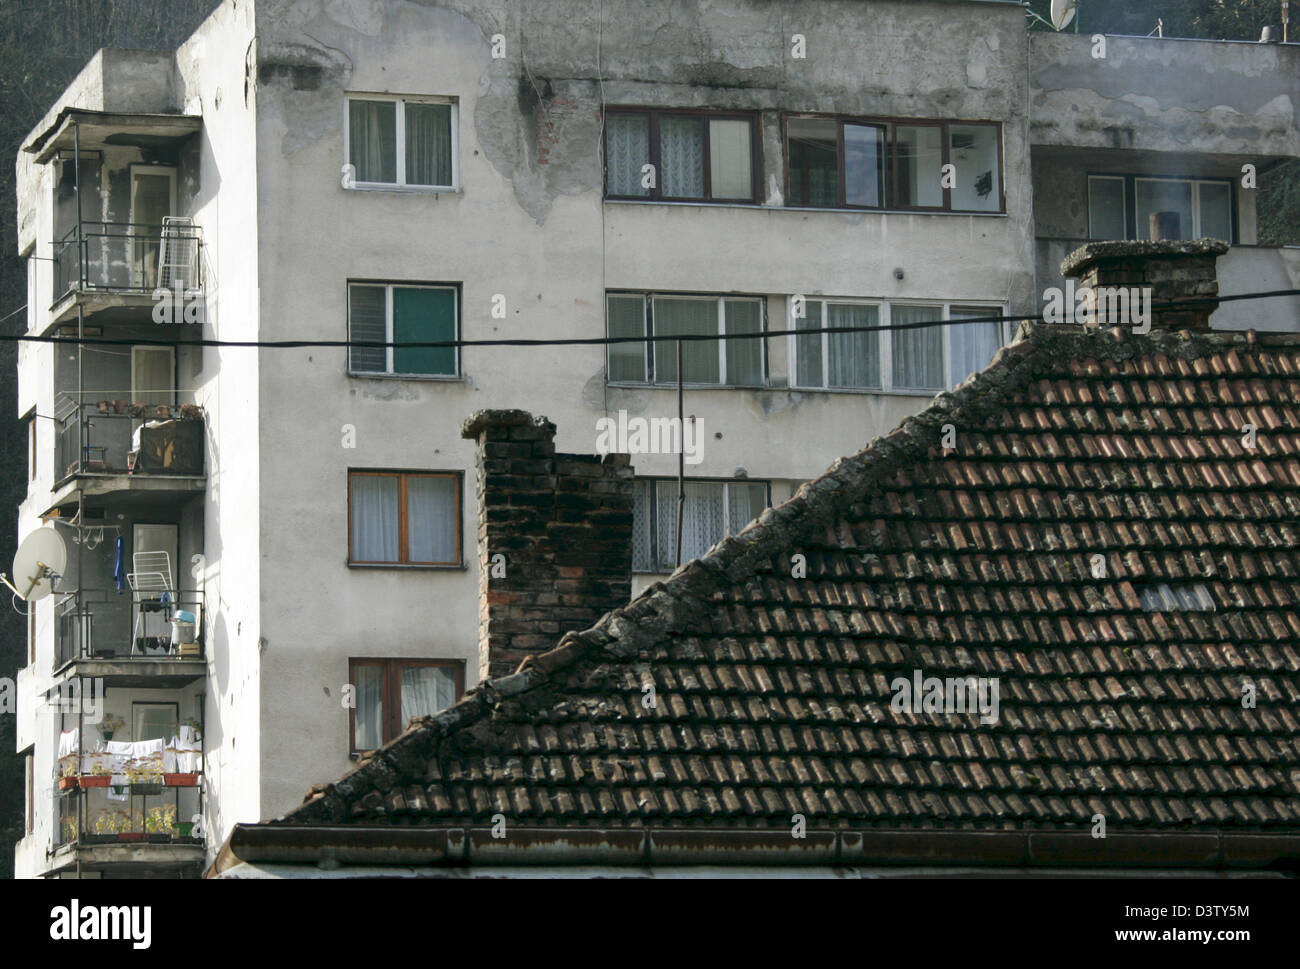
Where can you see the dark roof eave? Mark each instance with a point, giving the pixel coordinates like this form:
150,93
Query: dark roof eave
48,142
462,846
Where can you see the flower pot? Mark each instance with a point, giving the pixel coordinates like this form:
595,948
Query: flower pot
146,789
181,780
184,830
130,836
158,839
95,780
98,839
67,783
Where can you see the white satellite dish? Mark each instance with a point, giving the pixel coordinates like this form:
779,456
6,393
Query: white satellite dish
1063,12
40,559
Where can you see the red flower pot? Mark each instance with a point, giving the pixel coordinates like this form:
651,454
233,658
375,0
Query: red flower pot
67,783
130,836
95,780
181,780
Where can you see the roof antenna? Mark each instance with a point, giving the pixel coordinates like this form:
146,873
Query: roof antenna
1160,27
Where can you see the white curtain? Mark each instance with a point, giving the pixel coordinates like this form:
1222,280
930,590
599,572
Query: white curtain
854,357
702,521
674,316
744,357
369,711
428,144
431,515
367,323
426,691
808,348
972,344
627,149
918,354
745,502
374,518
731,172
372,140
681,153
642,541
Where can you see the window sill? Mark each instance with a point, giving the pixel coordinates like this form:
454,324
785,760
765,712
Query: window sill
623,385
407,567
425,377
801,208
631,385
402,189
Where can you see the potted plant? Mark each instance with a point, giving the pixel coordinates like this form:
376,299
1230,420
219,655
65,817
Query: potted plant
145,780
191,731
181,780
67,774
130,827
68,825
158,823
183,831
111,724
105,828
98,777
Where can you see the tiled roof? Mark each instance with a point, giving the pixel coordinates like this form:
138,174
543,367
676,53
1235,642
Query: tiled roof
772,694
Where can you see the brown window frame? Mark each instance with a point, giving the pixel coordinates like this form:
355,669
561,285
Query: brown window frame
890,201
391,669
30,774
653,116
403,537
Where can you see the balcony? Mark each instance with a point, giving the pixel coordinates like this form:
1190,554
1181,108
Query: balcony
112,269
126,638
118,445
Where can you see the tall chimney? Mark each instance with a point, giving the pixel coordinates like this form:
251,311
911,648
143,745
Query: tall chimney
1173,271
554,537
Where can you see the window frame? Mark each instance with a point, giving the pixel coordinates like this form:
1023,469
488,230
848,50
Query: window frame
139,706
399,136
890,168
652,511
403,519
648,344
653,116
1131,179
885,307
32,434
390,373
391,669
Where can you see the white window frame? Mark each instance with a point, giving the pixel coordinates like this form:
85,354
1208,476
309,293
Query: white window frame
400,136
652,510
886,343
388,370
1123,197
649,345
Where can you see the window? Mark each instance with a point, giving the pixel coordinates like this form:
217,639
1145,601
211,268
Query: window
1121,206
30,761
403,518
31,447
390,692
714,510
737,363
923,359
154,721
392,313
859,163
696,157
404,142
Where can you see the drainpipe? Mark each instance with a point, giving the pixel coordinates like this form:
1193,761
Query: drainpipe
81,320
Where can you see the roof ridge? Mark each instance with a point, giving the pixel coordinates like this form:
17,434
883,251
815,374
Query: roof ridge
672,604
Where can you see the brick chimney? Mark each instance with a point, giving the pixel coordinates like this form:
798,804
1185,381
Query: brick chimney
554,537
1173,270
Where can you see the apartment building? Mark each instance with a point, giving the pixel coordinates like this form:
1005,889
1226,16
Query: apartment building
397,172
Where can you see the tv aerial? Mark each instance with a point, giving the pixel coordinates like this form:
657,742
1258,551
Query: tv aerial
39,561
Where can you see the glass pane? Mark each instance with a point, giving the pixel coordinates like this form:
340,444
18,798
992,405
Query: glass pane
374,518
1216,210
1106,208
744,357
681,154
813,146
627,149
431,520
973,345
745,502
973,151
808,349
1164,195
862,165
372,140
920,163
424,315
426,691
153,721
428,144
369,712
642,546
918,354
674,316
703,523
854,357
626,317
366,322
731,172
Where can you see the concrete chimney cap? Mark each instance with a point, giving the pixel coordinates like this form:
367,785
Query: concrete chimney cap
481,420
1086,255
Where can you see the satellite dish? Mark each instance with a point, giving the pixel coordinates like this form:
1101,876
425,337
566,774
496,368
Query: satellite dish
1063,12
40,560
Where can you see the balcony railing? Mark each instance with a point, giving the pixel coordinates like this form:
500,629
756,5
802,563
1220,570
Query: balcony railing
119,437
128,626
129,258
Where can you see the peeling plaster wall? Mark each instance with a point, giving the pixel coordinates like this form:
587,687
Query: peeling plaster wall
529,222
1162,94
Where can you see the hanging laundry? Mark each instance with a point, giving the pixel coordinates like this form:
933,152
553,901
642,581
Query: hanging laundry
119,567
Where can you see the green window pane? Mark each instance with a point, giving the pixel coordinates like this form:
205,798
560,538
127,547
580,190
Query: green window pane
424,315
808,348
682,317
626,317
744,357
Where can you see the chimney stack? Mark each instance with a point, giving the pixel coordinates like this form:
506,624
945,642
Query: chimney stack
1172,270
554,537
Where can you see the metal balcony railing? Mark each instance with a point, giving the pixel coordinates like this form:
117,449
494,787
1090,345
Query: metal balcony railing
126,626
129,257
120,437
